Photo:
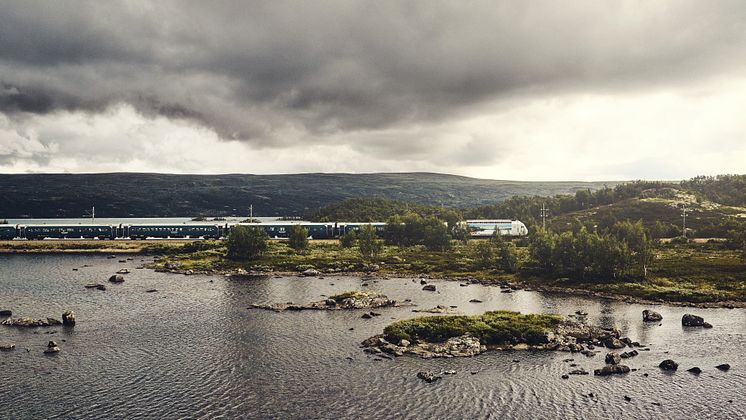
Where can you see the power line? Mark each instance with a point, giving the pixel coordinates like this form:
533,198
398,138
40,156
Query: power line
684,211
544,214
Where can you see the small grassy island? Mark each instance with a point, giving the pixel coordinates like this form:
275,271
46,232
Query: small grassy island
495,327
464,336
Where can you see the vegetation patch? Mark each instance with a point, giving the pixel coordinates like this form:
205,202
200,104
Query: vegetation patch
496,327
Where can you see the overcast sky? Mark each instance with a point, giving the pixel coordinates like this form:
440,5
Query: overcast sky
526,90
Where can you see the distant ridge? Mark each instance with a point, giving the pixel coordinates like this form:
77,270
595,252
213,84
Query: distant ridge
163,195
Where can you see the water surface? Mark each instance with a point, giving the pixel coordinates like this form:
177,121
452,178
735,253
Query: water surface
193,350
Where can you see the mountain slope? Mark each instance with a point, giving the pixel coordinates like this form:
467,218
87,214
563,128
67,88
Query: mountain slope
162,195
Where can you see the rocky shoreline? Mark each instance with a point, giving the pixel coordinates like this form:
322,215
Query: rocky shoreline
505,285
345,301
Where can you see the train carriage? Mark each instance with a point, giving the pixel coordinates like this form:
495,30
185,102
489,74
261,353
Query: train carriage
8,232
67,232
171,231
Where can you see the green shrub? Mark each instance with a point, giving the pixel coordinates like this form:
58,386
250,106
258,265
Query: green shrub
246,242
298,238
348,239
496,327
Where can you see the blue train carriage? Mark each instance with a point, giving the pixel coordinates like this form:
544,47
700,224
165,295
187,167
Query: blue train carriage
8,232
281,230
346,227
171,231
68,232
481,228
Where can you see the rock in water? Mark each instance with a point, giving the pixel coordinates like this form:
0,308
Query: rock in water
7,346
52,348
724,367
613,358
429,287
614,343
649,315
669,365
68,318
695,370
428,377
6,313
689,320
117,278
611,370
311,272
628,354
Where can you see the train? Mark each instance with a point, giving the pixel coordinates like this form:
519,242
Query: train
275,230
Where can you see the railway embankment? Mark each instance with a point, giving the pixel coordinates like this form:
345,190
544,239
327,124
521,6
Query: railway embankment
87,246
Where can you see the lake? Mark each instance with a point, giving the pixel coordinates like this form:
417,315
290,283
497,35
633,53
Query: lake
193,350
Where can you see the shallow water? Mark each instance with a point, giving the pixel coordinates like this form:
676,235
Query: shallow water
193,350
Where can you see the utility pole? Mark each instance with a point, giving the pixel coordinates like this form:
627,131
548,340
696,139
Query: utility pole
684,210
544,213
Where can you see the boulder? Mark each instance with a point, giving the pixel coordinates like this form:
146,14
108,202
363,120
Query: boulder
649,315
614,343
428,377
123,271
580,371
689,320
7,346
68,318
611,370
423,281
311,272
367,316
724,367
52,348
695,370
669,365
628,354
117,278
372,267
429,287
613,358
404,343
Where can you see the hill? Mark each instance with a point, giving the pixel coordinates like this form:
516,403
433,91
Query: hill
164,195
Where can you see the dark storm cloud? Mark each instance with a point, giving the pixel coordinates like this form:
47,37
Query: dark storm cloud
252,70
